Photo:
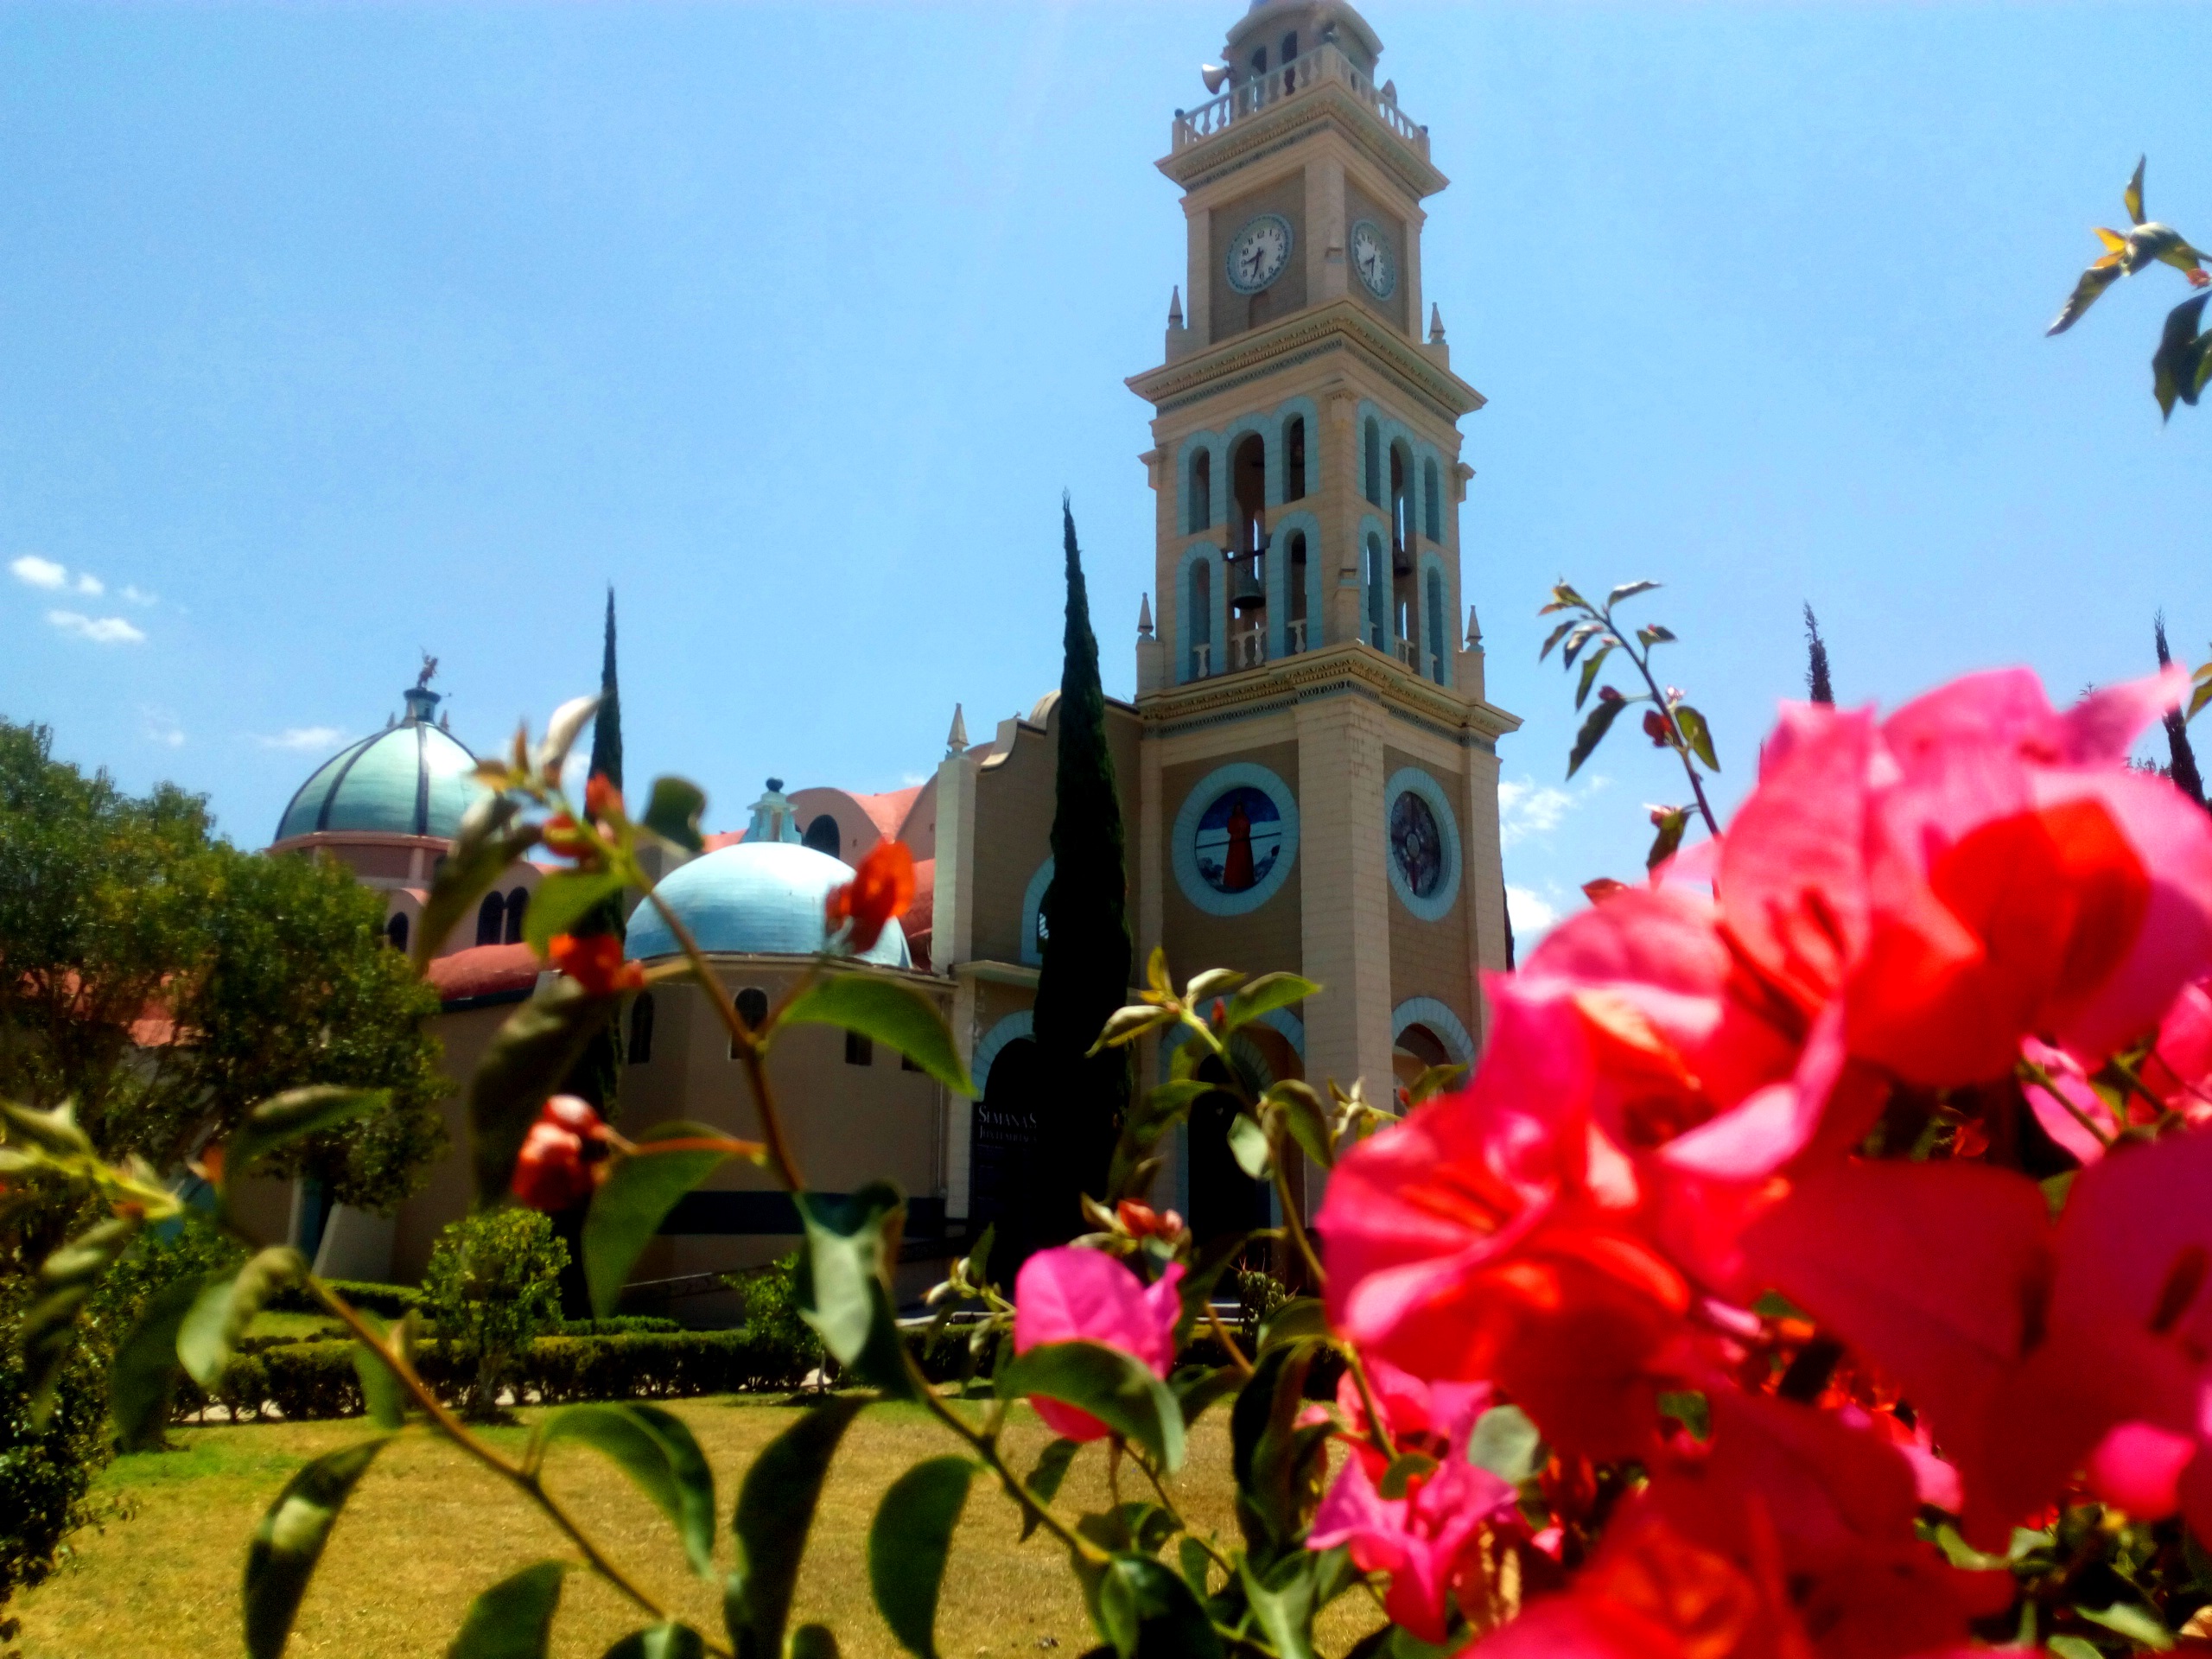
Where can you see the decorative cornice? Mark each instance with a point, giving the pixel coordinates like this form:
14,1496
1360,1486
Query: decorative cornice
1328,102
1337,325
1357,669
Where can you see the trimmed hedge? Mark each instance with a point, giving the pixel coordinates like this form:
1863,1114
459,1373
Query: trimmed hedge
387,1301
296,1380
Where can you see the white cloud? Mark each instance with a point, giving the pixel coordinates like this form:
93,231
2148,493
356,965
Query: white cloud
1527,809
139,596
88,583
101,630
303,737
39,573
161,728
1531,914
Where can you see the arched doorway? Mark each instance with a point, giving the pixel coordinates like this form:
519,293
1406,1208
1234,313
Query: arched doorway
1002,1138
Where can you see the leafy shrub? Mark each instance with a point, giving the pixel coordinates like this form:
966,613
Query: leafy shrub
389,1301
492,1284
621,1325
43,1472
772,1324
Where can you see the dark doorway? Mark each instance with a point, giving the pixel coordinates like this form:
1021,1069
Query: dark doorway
1002,1142
1224,1198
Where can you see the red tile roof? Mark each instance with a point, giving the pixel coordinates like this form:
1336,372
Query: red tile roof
484,971
889,810
921,914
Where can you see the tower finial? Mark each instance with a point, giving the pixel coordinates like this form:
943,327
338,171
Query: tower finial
1144,616
1435,324
1175,308
956,740
1474,630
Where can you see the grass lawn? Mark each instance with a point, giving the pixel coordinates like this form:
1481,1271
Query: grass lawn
428,1528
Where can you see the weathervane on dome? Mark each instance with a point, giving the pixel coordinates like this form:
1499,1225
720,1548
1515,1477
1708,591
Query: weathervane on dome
430,673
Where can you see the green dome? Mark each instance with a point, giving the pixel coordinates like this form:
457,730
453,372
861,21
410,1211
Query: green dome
413,779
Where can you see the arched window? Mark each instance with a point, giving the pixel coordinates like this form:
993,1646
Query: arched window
1373,460
1294,637
1432,607
1401,504
517,909
491,919
1294,448
641,1030
396,930
1378,590
822,835
1200,629
1289,52
1432,501
1201,503
752,1005
1259,61
1247,473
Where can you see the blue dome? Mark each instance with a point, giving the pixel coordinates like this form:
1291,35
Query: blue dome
409,779
759,898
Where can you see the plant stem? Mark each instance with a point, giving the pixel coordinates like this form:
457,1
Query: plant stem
2043,1081
1228,1343
525,1479
1680,745
1295,1225
1375,1431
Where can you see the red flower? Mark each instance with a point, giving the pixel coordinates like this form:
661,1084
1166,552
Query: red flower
562,1157
602,800
1142,1221
595,963
564,838
879,893
1656,728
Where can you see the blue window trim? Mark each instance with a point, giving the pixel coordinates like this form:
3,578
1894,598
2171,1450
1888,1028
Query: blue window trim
1013,1028
1033,904
1438,1018
1195,887
1438,904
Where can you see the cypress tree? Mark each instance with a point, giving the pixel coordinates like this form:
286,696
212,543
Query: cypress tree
1816,661
1085,975
607,729
2183,770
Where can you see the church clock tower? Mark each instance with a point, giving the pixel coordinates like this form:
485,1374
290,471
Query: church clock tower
1318,764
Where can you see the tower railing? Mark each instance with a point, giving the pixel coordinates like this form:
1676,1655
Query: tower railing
1248,649
1325,64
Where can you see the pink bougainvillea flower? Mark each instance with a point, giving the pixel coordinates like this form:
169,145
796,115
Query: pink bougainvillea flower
2179,1068
1417,1415
1422,1539
1071,1295
2033,1352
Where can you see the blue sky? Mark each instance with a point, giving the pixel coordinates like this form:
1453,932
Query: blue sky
329,334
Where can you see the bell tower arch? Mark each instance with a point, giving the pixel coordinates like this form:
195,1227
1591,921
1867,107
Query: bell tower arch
1320,764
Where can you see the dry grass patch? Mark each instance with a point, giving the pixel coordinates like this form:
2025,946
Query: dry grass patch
428,1528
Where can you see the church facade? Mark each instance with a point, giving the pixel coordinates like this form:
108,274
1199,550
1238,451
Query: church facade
1308,772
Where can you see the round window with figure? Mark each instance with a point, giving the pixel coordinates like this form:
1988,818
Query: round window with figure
1236,838
1424,843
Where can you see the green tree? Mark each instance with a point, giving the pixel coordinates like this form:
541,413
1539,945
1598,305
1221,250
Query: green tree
2183,767
1085,975
490,1287
168,982
597,1074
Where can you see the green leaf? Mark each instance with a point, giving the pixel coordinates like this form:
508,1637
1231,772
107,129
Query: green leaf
813,1641
844,1280
775,1509
1215,1258
48,1330
1144,1607
1192,1556
1248,1144
1264,995
1672,822
1305,1116
1582,637
2072,1647
1215,981
1118,1390
1044,1481
656,1450
1302,1318
561,736
1197,1389
672,813
1283,1602
1507,1444
288,1116
1628,590
1564,593
528,1058
56,1131
1653,633
661,1642
909,1544
562,900
1593,731
383,1393
289,1540
143,1374
2200,681
634,1200
1697,734
1437,1079
2137,1623
1404,1469
488,842
1557,633
1591,665
889,1012
226,1306
1690,1408
514,1619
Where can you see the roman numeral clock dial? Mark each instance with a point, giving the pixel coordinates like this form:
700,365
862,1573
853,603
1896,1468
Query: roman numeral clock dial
1258,253
1371,257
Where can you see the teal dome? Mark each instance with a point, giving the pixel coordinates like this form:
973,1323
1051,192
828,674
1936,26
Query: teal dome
413,779
758,898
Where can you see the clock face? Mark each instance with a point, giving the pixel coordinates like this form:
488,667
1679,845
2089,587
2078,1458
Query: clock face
1258,253
1416,843
1371,257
